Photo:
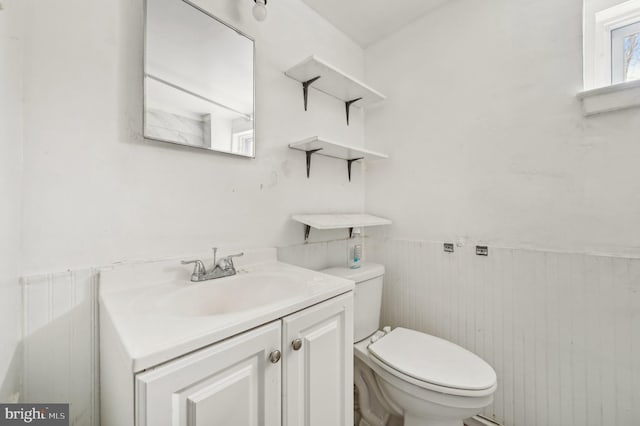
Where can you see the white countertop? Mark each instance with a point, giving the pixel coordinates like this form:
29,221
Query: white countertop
148,335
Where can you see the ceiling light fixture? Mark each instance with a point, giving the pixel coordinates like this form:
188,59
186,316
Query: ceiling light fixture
260,10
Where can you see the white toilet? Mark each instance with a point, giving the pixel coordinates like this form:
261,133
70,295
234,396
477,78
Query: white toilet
427,380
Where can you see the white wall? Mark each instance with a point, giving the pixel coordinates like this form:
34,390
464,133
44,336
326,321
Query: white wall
10,194
488,143
96,192
486,136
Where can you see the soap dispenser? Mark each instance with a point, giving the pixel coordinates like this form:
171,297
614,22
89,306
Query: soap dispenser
354,250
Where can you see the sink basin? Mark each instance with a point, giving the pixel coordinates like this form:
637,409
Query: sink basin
152,313
224,296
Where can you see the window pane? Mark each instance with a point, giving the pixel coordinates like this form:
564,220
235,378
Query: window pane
631,48
625,53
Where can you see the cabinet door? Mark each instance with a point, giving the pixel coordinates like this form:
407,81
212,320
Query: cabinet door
318,368
230,383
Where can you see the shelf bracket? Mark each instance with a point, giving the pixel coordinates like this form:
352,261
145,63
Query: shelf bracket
307,229
309,154
350,232
349,162
347,105
305,90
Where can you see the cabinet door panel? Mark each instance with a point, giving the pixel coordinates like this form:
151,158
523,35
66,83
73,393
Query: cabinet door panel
318,377
210,405
229,383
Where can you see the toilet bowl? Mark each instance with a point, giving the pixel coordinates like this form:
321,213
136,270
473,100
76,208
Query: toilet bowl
424,379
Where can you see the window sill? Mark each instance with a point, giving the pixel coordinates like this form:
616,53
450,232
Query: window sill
610,98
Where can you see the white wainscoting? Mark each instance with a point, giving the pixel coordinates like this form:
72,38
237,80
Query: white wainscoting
561,330
60,342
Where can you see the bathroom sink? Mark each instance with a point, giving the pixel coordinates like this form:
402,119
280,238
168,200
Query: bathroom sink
156,313
226,296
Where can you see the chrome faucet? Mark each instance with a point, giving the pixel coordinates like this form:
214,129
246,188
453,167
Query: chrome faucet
221,268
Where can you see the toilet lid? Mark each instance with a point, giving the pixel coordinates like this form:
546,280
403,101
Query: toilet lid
433,360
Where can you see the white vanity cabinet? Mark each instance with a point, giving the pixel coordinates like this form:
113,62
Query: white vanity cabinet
318,368
230,383
296,371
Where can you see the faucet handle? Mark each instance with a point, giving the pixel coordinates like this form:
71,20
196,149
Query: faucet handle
199,270
231,256
227,262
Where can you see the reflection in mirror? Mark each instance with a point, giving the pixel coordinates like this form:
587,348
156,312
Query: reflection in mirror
198,80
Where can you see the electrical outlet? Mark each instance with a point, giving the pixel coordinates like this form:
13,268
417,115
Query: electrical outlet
482,250
448,247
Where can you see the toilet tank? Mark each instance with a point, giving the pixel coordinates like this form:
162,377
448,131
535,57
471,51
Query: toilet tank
367,296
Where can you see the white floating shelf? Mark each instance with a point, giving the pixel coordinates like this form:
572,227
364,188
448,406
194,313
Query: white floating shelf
316,73
338,221
316,145
336,150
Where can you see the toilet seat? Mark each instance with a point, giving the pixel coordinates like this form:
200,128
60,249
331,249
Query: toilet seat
433,363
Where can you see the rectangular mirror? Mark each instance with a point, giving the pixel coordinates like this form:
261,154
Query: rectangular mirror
198,79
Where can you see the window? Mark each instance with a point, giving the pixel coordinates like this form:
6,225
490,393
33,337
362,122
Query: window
611,56
625,53
611,42
242,142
